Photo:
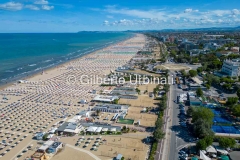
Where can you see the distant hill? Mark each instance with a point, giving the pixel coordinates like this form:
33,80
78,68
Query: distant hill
195,29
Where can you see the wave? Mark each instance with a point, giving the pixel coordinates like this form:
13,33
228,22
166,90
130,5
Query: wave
37,69
31,65
8,71
20,68
49,60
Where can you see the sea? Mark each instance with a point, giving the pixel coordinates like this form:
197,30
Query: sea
23,54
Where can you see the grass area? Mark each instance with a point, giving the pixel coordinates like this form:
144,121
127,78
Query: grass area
126,121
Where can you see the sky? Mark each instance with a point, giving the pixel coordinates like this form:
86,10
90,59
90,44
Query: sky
27,16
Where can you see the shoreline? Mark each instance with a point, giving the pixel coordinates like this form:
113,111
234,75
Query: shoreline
33,74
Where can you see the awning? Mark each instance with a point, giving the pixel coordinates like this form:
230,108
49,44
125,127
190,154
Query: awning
194,158
224,157
222,151
211,149
203,156
99,129
113,129
105,129
92,129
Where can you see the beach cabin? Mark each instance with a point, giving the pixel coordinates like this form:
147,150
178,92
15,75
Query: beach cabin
39,136
83,101
105,99
119,157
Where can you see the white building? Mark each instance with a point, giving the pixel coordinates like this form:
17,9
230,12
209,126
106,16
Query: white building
231,67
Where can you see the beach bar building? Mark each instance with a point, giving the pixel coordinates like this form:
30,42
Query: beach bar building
105,99
45,146
54,147
112,108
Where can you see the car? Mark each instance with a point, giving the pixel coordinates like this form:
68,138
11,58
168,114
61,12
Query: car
182,152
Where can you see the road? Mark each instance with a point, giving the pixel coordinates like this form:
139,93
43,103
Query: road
176,136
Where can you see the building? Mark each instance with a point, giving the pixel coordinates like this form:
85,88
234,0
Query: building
231,67
54,147
194,101
69,128
194,87
196,52
124,91
113,108
45,146
223,53
106,99
100,128
211,46
84,114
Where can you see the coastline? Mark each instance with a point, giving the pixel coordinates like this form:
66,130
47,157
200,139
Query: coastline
50,68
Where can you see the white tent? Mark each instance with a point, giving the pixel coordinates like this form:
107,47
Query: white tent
203,156
211,149
105,129
99,129
222,151
113,129
92,129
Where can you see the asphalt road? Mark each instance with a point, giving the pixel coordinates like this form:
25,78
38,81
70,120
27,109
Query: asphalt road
179,135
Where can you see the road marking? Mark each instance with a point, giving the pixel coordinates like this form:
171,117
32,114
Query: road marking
82,150
21,150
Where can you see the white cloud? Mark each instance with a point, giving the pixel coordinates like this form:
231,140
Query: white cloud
32,7
135,13
106,23
11,6
41,2
235,11
46,7
109,16
189,10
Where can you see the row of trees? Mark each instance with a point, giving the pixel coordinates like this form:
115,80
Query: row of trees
224,142
158,133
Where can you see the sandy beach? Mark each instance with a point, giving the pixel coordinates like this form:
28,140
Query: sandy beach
38,102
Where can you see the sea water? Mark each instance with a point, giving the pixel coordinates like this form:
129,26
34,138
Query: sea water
24,54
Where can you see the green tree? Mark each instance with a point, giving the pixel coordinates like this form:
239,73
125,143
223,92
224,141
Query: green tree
232,101
202,128
238,93
190,111
199,92
193,73
183,72
201,144
97,112
158,134
159,123
226,142
208,140
236,111
115,101
208,86
202,113
199,69
138,90
166,87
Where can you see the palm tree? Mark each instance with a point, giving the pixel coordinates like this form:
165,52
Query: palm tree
97,112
